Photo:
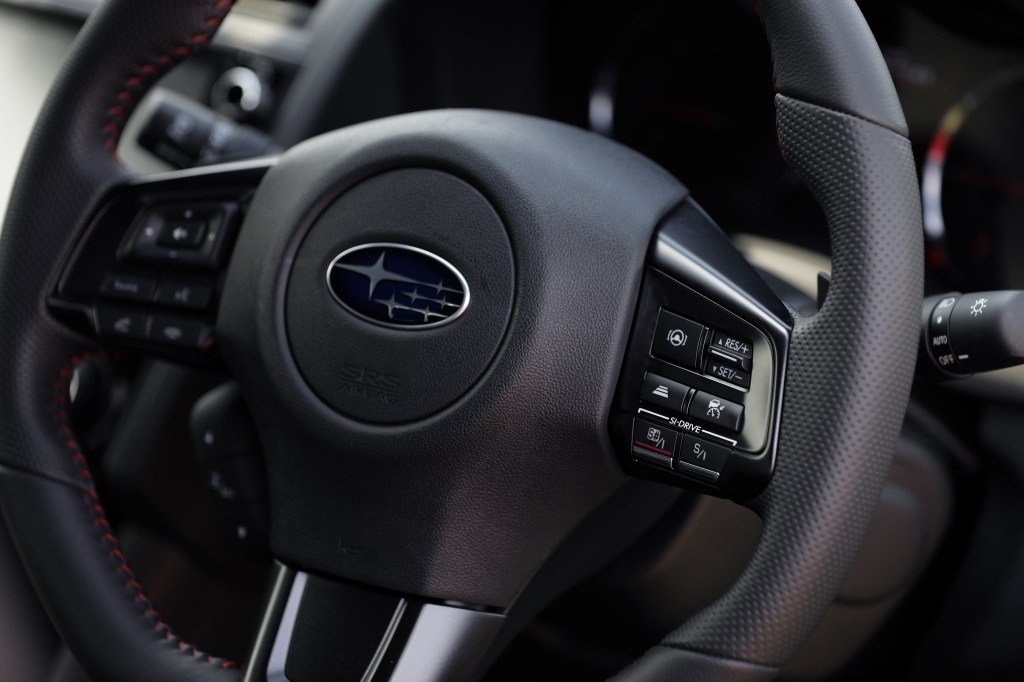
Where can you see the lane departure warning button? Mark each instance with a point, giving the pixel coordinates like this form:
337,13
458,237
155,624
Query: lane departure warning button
715,410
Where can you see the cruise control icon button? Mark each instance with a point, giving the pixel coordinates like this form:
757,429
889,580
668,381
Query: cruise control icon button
678,340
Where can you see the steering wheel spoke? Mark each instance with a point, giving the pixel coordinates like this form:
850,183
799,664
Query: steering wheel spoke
313,624
148,272
700,393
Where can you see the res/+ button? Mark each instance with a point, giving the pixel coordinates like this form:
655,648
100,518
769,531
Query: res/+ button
732,344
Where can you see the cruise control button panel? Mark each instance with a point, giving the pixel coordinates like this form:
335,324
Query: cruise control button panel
696,404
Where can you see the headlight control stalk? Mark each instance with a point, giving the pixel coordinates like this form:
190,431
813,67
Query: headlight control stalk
963,334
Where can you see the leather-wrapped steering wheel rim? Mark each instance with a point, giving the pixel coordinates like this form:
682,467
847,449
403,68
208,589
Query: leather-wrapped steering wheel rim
849,370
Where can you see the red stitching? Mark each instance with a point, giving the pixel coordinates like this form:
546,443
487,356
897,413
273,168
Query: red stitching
138,82
102,524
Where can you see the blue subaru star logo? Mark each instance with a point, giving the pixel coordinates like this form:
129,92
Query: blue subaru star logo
398,286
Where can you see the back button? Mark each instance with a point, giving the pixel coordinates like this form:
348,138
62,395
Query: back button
118,323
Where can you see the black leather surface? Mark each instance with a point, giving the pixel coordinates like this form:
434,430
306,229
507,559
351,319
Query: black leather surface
115,632
68,166
667,664
850,370
823,52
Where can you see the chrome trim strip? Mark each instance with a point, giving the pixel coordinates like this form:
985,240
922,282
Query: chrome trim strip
446,644
385,642
283,640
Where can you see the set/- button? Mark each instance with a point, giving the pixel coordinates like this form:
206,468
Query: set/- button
664,392
727,369
653,443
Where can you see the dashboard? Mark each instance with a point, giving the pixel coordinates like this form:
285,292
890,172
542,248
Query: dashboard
687,84
690,86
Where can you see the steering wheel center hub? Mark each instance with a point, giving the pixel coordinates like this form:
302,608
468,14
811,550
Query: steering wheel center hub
399,295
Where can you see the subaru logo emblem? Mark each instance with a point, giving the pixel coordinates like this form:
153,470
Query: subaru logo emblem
398,286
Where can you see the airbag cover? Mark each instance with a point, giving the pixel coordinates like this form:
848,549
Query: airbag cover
381,371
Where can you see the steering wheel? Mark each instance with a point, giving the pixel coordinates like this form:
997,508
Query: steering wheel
457,331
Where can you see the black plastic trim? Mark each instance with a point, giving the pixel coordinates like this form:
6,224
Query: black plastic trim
77,297
695,271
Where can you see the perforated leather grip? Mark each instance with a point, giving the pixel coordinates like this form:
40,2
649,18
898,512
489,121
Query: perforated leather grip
850,366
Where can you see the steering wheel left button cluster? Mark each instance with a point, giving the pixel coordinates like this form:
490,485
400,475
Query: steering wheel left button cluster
149,271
